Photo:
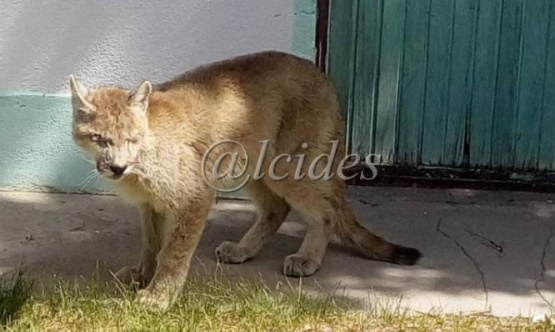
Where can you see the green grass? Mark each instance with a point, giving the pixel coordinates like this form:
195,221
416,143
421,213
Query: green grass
14,293
219,304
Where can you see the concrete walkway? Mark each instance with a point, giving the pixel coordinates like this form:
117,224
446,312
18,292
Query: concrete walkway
484,251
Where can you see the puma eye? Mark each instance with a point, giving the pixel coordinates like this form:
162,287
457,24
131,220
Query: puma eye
132,140
95,138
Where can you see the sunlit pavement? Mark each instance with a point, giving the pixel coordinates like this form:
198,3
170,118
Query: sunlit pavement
483,251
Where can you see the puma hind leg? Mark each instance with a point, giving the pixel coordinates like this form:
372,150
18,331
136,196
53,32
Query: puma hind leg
325,209
272,211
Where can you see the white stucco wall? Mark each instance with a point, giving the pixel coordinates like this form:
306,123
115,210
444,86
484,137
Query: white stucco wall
125,41
114,42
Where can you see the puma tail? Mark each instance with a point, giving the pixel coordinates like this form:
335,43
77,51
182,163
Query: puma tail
354,236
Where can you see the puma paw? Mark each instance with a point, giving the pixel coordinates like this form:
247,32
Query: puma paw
231,253
298,266
133,276
154,300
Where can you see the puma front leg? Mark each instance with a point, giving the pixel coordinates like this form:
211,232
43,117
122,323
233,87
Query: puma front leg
184,230
152,228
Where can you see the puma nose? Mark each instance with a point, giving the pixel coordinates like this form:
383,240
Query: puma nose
117,170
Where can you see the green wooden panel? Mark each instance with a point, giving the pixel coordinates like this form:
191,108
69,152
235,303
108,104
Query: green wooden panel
532,79
367,68
437,81
505,112
391,57
485,80
461,79
413,84
547,141
343,36
447,83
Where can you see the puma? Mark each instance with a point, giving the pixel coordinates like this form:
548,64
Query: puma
151,143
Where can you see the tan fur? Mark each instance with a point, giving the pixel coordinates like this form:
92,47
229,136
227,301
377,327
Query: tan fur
161,134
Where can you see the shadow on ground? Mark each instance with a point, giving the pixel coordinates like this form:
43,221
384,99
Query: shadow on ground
482,250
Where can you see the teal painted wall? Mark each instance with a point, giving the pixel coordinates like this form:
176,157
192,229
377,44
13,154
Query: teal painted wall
36,150
304,22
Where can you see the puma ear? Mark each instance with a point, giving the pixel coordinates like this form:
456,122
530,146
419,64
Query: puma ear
140,97
79,94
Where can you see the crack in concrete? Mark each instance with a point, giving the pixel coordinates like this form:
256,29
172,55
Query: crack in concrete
498,247
541,277
467,254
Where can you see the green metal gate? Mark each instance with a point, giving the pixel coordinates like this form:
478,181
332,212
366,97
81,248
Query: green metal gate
467,84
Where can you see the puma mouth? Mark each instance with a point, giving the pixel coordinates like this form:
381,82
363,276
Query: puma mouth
115,177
